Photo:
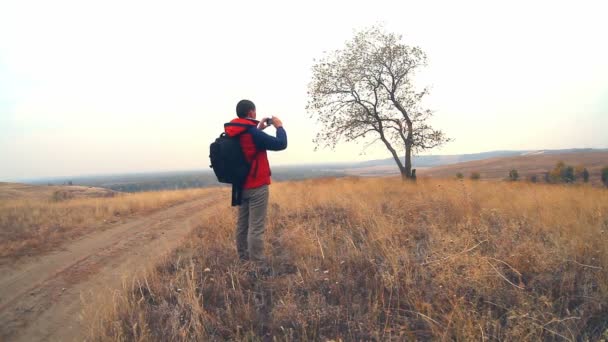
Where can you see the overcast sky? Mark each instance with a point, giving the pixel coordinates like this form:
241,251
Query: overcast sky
123,86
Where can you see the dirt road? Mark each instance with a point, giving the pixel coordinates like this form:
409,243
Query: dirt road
41,298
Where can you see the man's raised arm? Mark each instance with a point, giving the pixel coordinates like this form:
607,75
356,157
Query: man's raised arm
267,142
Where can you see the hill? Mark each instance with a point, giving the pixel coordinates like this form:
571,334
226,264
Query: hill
387,167
527,165
425,161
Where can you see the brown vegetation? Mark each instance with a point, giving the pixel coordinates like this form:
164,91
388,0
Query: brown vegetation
36,223
376,259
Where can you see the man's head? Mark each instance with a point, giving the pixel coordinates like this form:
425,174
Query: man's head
245,109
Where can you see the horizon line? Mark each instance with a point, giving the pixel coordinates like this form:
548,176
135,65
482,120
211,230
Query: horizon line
150,172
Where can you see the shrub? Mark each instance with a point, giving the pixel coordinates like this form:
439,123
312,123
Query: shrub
585,175
459,175
562,173
475,175
62,195
567,174
513,175
605,176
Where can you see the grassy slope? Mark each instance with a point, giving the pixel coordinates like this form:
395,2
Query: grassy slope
498,168
361,259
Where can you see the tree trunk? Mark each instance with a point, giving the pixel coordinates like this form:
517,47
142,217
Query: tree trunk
406,173
407,168
393,152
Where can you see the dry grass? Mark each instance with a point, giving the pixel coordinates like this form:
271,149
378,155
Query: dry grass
32,226
376,259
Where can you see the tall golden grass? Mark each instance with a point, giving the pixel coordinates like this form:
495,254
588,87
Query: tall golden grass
378,259
33,226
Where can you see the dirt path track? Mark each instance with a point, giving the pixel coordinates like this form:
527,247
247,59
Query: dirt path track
40,298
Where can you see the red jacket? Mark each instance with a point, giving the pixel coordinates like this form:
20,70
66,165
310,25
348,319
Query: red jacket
259,174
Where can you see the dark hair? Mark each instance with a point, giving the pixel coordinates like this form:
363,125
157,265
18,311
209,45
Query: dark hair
243,107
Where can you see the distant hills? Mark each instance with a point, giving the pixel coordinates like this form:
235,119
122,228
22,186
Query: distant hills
173,180
438,160
434,166
386,167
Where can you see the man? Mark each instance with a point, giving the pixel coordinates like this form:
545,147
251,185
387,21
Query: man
254,197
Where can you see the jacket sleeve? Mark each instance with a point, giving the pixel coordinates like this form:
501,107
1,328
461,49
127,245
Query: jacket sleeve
264,141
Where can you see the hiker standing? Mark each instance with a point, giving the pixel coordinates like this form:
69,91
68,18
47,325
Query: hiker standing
253,197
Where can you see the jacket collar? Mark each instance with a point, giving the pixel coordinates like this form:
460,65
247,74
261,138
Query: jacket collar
246,121
239,125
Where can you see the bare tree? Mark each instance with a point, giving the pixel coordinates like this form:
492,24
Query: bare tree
365,90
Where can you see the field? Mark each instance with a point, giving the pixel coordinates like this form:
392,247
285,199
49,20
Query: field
37,219
59,253
378,259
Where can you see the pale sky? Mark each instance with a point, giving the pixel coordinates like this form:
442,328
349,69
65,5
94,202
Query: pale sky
128,86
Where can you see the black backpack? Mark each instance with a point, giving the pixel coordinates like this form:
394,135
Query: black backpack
228,162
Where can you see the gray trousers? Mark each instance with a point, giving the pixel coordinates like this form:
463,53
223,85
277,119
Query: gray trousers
252,224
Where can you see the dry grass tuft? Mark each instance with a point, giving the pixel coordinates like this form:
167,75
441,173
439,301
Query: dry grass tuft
376,259
32,226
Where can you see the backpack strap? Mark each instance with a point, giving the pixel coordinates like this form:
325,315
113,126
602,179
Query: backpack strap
237,189
237,195
237,124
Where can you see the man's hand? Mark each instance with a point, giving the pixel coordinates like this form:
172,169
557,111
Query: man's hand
276,122
263,125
